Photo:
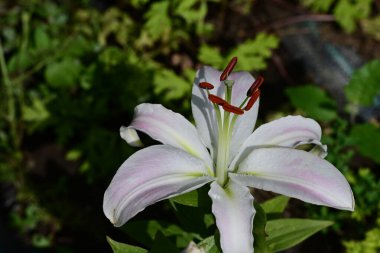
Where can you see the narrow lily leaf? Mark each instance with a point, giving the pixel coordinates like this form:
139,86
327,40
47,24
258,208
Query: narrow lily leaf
209,245
259,223
276,204
162,244
286,233
119,247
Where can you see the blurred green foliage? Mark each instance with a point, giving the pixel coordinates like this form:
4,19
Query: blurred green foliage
346,12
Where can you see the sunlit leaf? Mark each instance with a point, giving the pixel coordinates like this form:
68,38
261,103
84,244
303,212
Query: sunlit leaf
286,233
275,205
313,101
119,247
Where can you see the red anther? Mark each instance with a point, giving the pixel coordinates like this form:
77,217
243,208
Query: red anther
206,85
252,100
217,100
256,85
227,71
230,108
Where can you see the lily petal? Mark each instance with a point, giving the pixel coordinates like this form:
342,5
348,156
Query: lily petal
245,123
150,175
290,131
203,109
167,127
297,174
234,212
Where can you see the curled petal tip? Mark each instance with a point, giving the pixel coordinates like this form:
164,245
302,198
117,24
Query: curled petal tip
130,136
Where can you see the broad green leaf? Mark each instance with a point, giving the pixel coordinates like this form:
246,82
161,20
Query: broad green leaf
286,233
162,244
258,232
208,245
64,73
366,137
119,247
313,101
275,205
364,84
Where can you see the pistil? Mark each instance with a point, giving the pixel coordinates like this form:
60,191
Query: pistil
226,125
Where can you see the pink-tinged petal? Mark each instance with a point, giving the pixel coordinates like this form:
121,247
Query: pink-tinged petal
297,174
234,212
245,123
203,109
150,175
167,127
290,131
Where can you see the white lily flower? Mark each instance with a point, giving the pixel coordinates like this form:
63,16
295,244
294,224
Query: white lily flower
222,149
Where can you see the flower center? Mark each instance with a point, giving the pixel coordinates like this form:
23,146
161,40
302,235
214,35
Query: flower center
227,117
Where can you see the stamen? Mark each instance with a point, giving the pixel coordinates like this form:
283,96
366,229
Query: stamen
256,85
230,108
227,71
206,86
217,100
252,100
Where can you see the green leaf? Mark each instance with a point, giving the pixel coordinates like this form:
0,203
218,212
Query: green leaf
366,137
348,12
313,101
318,5
41,38
162,244
253,53
259,233
211,56
170,86
158,23
144,232
209,245
194,198
286,233
364,84
119,247
64,73
275,205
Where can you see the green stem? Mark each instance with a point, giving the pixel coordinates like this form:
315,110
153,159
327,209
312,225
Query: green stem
11,106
